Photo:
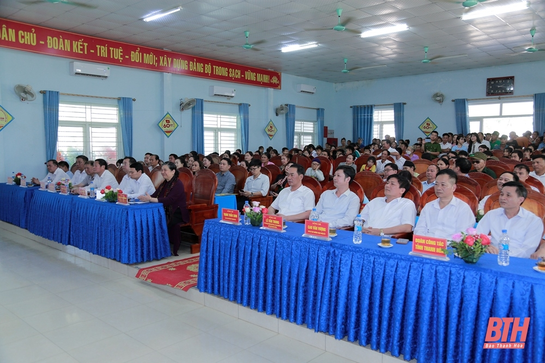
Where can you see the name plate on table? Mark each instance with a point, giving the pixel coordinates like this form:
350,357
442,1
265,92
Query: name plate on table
51,187
318,230
42,185
122,199
23,183
273,223
231,216
82,193
429,247
64,189
10,180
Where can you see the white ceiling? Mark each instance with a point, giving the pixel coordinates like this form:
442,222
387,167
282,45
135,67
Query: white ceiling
215,29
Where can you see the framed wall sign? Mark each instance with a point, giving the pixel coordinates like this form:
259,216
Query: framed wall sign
500,86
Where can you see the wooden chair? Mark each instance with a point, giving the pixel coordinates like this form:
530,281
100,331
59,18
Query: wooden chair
461,193
422,177
489,188
529,164
412,194
362,160
419,154
187,180
481,178
273,170
314,185
112,168
276,160
471,184
201,206
263,200
354,187
421,165
377,152
368,181
214,167
267,172
301,160
326,167
336,162
498,153
241,174
156,178
535,183
119,175
417,184
510,163
498,169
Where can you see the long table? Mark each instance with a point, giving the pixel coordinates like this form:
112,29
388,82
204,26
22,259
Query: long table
434,311
128,234
13,202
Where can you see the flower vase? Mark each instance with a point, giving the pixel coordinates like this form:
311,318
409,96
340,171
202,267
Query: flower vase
471,259
256,221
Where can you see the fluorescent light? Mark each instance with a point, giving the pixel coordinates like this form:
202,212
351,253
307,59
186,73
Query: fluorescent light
161,14
495,10
381,31
294,47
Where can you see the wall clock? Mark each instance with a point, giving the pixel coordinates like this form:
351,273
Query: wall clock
500,86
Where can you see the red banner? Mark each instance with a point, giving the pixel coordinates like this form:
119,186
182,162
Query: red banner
37,39
317,229
429,245
273,222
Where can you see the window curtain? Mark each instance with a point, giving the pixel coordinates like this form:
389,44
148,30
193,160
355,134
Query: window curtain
462,118
125,119
362,117
320,124
539,112
197,124
399,119
290,126
51,123
244,113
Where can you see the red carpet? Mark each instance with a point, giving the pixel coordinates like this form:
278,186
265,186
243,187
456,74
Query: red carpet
181,274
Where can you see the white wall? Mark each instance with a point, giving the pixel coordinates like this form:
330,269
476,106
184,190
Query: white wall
22,142
416,91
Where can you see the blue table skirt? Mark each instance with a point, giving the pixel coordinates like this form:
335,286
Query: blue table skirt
14,203
129,234
434,311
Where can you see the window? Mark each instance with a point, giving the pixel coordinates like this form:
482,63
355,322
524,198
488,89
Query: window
503,116
88,129
304,133
383,122
221,132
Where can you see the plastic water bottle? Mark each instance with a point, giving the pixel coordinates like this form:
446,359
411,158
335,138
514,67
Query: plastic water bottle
49,181
246,218
503,255
313,215
358,224
92,193
12,177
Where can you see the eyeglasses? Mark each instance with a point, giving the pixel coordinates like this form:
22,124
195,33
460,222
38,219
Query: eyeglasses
253,168
476,161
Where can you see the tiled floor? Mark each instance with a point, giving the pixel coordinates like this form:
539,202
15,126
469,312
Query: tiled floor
57,307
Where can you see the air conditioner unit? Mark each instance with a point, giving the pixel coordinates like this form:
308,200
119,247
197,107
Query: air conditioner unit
222,91
89,69
305,88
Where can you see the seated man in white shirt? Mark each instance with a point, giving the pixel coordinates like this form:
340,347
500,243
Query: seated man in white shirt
66,168
382,162
80,174
257,184
140,183
447,214
54,172
523,172
538,163
296,201
127,180
524,228
340,206
392,213
103,177
431,174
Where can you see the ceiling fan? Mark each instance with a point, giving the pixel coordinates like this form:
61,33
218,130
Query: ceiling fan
533,49
348,70
468,3
65,2
249,46
340,27
439,57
